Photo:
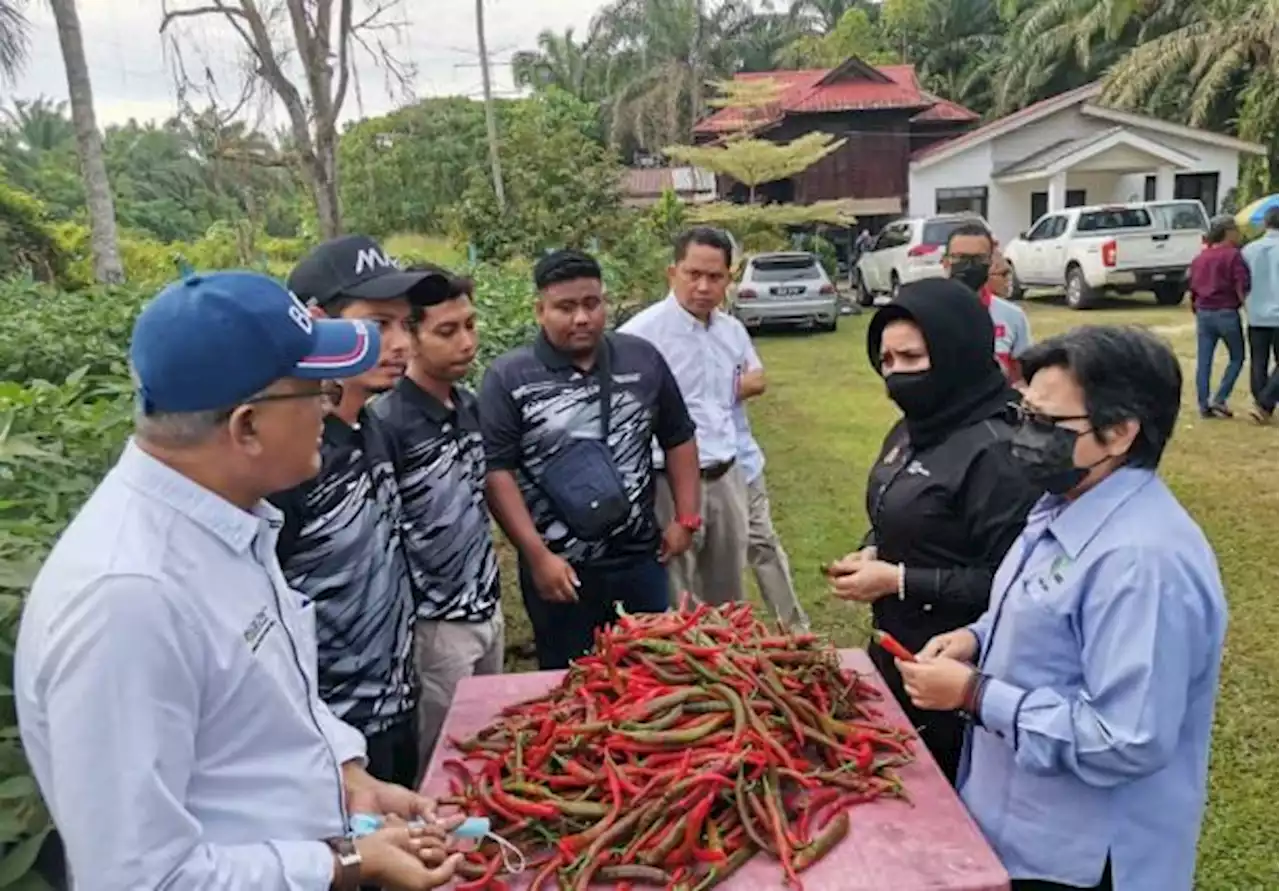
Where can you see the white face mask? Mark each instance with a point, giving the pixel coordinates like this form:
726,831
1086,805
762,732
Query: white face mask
477,828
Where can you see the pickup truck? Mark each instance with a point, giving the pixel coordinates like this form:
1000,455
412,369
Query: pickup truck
1115,248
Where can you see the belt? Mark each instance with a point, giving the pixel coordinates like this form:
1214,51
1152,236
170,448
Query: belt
715,471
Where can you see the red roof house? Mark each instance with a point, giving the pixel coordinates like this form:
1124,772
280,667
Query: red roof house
882,112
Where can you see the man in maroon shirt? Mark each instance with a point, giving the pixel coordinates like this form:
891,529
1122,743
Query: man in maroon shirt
1219,281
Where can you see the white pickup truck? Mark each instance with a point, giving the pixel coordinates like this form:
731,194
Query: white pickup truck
1116,248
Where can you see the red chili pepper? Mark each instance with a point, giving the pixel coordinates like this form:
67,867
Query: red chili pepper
891,646
490,873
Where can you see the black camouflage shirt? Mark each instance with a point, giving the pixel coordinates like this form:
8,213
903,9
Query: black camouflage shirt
448,535
340,547
534,402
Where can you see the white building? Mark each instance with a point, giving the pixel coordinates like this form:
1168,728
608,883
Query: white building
1069,151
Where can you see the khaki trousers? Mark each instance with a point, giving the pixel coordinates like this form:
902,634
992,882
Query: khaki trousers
711,570
769,560
445,653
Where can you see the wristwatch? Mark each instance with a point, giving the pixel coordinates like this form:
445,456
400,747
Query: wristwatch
346,864
692,522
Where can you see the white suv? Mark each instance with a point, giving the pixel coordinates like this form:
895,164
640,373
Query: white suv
907,251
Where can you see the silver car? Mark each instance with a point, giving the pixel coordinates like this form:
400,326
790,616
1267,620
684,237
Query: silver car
788,288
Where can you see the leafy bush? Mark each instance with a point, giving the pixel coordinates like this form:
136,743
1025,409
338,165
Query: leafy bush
45,334
26,242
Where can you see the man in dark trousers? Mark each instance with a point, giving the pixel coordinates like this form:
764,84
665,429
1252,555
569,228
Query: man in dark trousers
341,542
448,536
568,424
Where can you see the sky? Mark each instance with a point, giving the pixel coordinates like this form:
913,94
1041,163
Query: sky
133,71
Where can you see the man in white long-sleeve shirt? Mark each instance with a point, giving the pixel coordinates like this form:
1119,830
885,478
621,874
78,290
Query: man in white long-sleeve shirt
165,674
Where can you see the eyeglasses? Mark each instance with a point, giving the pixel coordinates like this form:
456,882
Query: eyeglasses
329,394
1004,274
1021,413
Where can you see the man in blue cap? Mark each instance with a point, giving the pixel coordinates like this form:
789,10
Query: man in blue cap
165,673
341,545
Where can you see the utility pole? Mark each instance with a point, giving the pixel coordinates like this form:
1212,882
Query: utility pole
490,117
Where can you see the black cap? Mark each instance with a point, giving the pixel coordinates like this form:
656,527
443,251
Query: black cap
357,266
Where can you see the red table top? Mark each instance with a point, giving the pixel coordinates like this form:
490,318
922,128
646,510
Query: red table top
931,844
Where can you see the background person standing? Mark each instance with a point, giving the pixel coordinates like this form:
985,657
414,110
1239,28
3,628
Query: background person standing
448,533
706,349
1011,326
568,425
1219,281
1262,307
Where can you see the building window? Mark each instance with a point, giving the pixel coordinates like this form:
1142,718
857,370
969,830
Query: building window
1198,186
971,200
1149,189
1040,202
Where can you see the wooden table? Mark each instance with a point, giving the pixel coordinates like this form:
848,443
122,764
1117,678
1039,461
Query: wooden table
892,846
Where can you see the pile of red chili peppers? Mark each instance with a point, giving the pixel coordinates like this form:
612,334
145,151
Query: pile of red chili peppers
682,746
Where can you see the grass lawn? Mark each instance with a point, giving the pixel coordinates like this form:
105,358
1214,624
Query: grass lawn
821,423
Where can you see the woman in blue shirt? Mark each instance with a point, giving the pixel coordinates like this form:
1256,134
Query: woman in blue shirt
1092,676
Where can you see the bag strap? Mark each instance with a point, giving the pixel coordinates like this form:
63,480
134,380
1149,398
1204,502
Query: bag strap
604,371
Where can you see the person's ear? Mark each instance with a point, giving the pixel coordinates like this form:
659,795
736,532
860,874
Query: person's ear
1118,438
671,275
243,429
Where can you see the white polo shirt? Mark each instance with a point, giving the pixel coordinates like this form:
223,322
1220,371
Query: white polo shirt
165,679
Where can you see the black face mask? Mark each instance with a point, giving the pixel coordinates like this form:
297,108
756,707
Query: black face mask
972,271
913,391
1046,454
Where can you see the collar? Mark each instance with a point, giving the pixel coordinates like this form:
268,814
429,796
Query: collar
558,360
688,319
156,480
432,407
1078,522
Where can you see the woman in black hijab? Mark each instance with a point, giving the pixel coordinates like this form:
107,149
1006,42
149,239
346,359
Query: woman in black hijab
944,497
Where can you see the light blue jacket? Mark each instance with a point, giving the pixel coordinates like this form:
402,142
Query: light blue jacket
1263,303
1103,643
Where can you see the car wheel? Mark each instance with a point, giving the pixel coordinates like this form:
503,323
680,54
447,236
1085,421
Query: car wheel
860,292
894,286
1170,293
1079,294
1016,291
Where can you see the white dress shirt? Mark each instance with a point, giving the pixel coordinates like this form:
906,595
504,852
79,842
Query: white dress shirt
166,693
706,360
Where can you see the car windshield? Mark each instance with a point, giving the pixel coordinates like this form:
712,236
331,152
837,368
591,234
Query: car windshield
1113,218
784,269
938,231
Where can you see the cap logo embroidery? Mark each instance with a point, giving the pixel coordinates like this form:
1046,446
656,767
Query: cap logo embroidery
372,258
298,312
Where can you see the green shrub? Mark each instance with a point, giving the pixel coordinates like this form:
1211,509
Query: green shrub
27,244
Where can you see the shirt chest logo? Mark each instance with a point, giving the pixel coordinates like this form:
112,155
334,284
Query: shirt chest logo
915,468
258,629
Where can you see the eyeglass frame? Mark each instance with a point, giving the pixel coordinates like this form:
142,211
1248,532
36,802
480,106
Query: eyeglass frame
330,394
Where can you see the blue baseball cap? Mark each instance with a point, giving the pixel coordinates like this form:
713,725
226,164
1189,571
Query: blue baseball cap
212,341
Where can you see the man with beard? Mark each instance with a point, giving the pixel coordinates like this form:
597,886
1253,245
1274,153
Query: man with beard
340,546
568,424
448,538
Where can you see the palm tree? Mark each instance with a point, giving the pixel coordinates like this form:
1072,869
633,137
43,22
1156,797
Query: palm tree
39,125
1056,45
582,68
102,217
1217,69
14,31
821,16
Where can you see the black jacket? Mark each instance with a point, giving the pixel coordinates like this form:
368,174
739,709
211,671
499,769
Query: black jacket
948,513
